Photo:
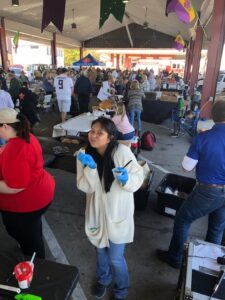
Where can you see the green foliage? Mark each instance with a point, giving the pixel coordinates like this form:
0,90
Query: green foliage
72,55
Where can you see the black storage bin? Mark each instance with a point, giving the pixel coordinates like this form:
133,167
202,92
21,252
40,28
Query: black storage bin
141,196
168,204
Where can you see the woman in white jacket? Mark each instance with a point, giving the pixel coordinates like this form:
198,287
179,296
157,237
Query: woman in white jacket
109,222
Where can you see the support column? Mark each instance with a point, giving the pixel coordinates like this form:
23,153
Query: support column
188,61
53,50
117,61
3,47
215,51
196,58
81,52
191,61
112,59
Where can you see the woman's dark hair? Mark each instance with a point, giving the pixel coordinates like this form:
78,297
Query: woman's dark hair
22,128
25,84
105,164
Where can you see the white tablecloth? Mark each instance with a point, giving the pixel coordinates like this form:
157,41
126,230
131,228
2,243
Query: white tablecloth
73,126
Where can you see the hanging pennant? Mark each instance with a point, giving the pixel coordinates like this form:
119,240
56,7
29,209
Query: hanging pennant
183,8
114,7
53,11
16,40
179,42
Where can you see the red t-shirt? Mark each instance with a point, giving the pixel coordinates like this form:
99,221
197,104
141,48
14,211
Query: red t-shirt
21,166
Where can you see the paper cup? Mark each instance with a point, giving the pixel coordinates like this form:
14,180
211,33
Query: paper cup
116,172
24,274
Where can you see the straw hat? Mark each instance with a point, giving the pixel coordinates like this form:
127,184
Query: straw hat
8,116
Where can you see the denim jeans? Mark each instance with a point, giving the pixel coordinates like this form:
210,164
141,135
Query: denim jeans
111,262
201,202
126,136
135,112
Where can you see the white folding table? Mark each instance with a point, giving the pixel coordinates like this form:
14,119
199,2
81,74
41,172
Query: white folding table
73,126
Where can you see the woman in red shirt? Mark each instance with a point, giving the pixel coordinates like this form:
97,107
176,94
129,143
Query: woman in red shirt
26,189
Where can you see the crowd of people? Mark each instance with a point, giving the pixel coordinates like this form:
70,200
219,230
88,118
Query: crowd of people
74,89
107,171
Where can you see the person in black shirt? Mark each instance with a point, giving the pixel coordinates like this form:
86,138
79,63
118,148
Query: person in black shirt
3,81
83,89
27,105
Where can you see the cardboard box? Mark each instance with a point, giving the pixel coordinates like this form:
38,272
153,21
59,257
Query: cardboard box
169,96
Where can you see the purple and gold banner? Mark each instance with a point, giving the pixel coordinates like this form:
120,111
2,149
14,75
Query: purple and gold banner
183,8
53,11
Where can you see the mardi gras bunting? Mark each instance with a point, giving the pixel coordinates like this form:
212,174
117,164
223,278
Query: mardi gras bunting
53,11
183,9
16,40
114,7
179,42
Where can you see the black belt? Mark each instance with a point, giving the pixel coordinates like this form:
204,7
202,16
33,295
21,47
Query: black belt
213,185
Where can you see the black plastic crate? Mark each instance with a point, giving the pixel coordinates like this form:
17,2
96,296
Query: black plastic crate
168,204
141,196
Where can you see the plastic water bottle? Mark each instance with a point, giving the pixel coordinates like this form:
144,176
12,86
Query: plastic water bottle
180,106
180,103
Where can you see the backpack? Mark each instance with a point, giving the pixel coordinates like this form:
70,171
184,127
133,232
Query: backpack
148,140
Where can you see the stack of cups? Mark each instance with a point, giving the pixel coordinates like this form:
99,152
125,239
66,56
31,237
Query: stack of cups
24,274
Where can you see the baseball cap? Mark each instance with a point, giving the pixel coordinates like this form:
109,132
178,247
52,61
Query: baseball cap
64,70
8,116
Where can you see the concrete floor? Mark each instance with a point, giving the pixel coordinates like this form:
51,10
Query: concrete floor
149,278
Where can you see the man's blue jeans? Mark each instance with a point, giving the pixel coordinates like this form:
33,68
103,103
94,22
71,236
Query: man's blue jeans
201,202
135,112
111,262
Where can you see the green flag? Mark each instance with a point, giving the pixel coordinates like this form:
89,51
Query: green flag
16,40
114,7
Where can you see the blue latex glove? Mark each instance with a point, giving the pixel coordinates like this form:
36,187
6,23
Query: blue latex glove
86,160
123,176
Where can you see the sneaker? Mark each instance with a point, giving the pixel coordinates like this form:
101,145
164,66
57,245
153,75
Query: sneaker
174,135
164,256
100,291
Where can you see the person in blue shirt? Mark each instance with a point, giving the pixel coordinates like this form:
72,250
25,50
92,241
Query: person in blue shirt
207,155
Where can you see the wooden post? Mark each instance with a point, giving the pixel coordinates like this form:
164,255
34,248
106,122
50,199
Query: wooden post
3,47
53,50
188,61
196,58
215,51
81,52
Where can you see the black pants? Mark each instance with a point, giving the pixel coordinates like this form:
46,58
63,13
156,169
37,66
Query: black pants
83,99
26,229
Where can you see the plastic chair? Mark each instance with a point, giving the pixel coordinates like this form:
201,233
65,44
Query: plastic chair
47,101
184,121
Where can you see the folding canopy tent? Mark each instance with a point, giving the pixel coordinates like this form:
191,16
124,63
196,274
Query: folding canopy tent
88,60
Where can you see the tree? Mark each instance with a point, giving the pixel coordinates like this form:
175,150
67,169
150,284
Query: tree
72,55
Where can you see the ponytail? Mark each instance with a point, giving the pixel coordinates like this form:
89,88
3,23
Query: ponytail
22,128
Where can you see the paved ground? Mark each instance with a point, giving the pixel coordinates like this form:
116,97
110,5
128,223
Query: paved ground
64,226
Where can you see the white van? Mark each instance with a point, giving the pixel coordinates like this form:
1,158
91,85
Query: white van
220,83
